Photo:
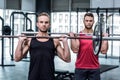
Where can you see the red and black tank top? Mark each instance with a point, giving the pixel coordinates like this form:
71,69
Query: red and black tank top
85,57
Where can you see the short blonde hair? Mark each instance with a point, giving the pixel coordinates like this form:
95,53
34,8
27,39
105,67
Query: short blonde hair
43,14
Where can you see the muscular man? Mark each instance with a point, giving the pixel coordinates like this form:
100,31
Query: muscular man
87,65
42,51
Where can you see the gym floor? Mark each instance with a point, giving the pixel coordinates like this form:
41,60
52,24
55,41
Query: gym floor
19,70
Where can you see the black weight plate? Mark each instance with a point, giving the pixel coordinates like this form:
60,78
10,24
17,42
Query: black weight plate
98,41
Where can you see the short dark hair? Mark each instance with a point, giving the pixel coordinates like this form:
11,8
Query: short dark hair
88,14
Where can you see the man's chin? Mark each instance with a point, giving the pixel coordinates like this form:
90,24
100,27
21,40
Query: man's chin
44,31
89,27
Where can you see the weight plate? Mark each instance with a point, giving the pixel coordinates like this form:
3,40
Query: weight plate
98,41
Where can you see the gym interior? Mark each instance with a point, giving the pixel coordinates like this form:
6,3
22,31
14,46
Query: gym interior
17,16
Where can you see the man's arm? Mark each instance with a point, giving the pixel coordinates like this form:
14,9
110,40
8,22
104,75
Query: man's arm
63,50
74,43
104,47
21,49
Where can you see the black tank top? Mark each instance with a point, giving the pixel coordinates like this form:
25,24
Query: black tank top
41,60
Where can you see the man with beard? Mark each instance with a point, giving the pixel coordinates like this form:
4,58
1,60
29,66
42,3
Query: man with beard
42,51
87,66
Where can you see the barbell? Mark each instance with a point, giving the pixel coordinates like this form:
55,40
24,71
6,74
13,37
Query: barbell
77,37
87,34
96,37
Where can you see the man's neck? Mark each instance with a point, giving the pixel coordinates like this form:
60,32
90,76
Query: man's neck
87,30
42,33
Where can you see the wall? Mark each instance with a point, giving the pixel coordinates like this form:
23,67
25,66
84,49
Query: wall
43,6
24,5
104,3
2,4
66,5
28,5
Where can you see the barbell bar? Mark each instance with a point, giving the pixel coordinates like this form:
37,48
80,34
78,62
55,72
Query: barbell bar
34,33
68,37
96,39
57,37
89,34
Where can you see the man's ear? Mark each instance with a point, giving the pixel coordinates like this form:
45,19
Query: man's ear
37,24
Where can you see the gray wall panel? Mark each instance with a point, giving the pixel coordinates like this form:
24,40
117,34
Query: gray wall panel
28,5
59,5
2,2
65,5
13,4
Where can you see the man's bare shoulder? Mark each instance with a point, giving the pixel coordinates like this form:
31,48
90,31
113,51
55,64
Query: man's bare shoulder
56,42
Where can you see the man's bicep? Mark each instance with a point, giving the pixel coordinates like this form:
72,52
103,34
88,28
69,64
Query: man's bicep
75,46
